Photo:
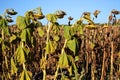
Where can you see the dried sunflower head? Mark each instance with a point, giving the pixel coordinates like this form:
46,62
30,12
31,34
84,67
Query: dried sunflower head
60,13
70,18
96,13
11,11
116,12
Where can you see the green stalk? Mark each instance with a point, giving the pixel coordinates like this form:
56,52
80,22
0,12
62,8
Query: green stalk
56,73
24,66
5,61
48,35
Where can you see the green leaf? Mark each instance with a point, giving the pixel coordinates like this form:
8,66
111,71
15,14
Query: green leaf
73,30
20,55
29,32
40,32
71,44
27,20
14,69
91,26
4,46
26,75
22,75
53,46
26,51
23,35
6,31
89,21
55,29
21,22
51,17
67,34
80,30
12,38
26,35
56,38
63,60
76,58
70,70
50,47
3,23
92,45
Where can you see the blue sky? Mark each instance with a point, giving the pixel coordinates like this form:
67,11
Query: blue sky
73,8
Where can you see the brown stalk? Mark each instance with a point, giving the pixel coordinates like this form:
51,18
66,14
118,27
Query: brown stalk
87,56
103,65
111,57
111,61
93,66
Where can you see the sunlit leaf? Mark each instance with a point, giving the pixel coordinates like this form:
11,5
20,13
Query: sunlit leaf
43,62
56,38
3,23
67,34
51,17
50,47
63,60
80,30
29,32
53,46
73,30
3,47
21,22
22,75
70,70
92,45
55,28
26,51
40,32
13,37
14,69
91,26
23,35
26,75
26,35
76,58
20,55
73,45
